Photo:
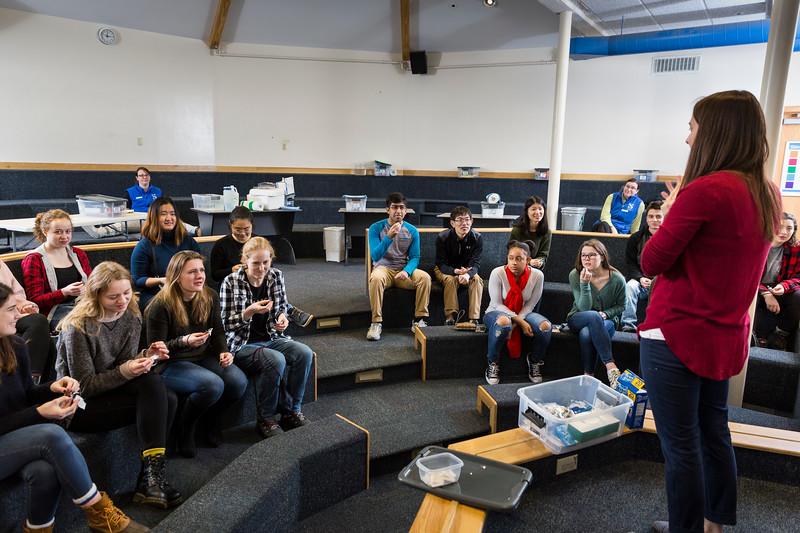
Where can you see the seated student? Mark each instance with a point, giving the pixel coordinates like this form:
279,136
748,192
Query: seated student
226,256
140,196
254,303
163,235
532,226
458,259
186,316
599,298
638,286
33,445
778,306
33,327
98,346
515,289
54,273
394,250
622,211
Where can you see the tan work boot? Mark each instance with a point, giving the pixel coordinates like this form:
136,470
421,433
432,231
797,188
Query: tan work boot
105,517
26,529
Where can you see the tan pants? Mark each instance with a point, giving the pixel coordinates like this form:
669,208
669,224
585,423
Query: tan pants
450,284
382,277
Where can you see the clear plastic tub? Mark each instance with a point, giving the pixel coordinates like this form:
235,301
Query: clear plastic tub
439,469
492,210
208,201
353,202
646,175
606,419
100,205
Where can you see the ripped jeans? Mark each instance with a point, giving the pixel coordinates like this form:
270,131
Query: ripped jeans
498,335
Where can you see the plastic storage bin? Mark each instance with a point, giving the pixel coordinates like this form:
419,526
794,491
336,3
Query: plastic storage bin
355,202
572,218
439,469
100,205
604,422
208,201
645,174
271,198
333,241
492,210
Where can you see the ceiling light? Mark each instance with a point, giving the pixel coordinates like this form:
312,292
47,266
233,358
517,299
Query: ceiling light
490,3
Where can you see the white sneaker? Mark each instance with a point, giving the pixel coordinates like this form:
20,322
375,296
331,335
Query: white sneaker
374,333
418,324
493,374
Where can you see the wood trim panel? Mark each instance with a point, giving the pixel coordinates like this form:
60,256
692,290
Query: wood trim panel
220,17
316,371
369,443
484,398
404,31
437,515
420,340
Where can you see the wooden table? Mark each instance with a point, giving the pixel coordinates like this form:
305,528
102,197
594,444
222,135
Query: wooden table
118,224
355,222
479,221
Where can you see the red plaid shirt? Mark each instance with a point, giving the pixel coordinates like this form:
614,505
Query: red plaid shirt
36,286
789,275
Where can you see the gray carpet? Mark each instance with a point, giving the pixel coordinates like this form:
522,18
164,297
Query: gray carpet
345,352
304,279
405,416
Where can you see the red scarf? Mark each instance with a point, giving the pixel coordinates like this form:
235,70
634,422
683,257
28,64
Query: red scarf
514,302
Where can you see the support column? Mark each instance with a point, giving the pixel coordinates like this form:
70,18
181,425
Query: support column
559,113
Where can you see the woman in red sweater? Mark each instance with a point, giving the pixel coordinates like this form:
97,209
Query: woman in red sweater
708,255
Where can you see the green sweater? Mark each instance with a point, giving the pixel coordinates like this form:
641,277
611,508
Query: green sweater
542,242
610,299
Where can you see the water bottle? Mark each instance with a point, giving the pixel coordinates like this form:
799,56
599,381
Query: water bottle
230,197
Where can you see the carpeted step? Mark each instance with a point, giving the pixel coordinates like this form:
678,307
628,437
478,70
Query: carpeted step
343,357
405,416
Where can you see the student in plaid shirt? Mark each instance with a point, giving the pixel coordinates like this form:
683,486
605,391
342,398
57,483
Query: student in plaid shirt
254,314
778,306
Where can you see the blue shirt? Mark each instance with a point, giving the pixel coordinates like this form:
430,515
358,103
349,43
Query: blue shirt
141,199
402,252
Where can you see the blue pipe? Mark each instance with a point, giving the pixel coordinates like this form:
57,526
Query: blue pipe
668,40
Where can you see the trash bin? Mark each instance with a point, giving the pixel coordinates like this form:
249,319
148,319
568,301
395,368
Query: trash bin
333,241
572,218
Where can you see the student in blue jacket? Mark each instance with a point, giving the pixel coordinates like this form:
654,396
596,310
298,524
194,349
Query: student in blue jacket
622,212
163,235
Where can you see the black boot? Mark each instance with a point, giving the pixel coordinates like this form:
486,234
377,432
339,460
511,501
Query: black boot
173,496
148,488
187,427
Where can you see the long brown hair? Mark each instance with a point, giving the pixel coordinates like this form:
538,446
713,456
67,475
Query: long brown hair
151,229
732,135
600,248
88,308
172,297
8,357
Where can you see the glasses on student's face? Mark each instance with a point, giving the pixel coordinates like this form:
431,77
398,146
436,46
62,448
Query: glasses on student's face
591,255
463,220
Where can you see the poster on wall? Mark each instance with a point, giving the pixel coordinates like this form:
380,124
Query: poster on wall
790,178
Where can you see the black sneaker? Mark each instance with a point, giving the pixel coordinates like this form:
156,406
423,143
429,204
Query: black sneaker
629,328
534,370
300,317
292,421
450,322
493,374
268,428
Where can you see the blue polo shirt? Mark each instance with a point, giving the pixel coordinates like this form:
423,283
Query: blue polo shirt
140,199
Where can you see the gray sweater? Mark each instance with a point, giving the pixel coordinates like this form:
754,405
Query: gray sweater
94,360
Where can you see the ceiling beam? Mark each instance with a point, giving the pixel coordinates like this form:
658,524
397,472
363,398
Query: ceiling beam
404,31
217,28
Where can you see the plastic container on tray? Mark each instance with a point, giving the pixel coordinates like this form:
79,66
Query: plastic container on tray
605,421
208,201
355,202
439,469
100,205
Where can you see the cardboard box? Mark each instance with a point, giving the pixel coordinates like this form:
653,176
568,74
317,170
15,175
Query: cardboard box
633,387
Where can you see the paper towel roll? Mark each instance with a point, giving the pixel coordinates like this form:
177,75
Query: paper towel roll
253,205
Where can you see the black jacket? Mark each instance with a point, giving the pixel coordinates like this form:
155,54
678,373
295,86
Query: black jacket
633,252
452,253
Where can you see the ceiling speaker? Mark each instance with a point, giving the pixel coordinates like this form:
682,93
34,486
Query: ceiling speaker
419,62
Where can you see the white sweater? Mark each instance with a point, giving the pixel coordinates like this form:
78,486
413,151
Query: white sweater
499,288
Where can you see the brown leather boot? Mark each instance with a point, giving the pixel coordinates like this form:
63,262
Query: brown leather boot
105,517
26,529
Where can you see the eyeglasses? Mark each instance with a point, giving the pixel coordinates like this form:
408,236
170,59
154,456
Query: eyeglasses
462,220
589,256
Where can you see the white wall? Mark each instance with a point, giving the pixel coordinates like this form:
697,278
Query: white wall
67,98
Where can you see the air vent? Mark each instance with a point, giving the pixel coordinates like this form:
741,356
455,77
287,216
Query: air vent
664,65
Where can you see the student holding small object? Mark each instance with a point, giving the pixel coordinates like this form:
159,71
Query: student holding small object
622,211
254,316
54,273
532,226
185,315
696,334
98,346
458,259
226,256
33,445
778,305
163,235
598,290
515,289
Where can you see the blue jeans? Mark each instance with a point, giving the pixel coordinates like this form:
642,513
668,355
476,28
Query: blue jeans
205,382
691,414
633,293
594,338
281,367
47,460
498,335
